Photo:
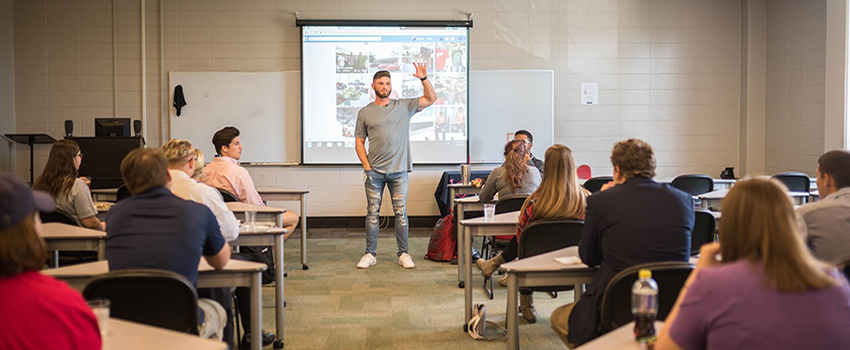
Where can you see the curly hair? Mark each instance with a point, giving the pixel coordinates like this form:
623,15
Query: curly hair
634,157
515,163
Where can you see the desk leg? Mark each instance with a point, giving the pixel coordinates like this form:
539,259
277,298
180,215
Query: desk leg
304,231
511,313
101,249
461,251
55,258
578,289
256,311
278,288
467,292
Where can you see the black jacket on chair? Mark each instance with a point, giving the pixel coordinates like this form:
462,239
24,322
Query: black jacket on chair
639,221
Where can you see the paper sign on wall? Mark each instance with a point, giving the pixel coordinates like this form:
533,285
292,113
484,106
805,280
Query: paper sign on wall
589,93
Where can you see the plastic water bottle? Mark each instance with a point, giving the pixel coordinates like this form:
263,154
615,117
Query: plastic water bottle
644,305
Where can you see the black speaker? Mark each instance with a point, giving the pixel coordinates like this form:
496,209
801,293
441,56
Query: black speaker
137,127
69,128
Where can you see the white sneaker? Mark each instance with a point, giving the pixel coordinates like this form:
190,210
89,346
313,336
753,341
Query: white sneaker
367,261
405,261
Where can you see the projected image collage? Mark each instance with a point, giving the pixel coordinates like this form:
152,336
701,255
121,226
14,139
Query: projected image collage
356,63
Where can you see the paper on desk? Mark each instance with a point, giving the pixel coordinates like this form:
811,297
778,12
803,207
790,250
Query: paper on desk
569,260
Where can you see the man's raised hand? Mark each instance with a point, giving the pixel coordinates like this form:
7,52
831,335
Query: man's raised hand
421,70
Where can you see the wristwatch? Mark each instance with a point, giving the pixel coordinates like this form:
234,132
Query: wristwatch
423,79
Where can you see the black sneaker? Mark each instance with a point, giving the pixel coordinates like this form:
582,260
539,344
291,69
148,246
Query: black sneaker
268,339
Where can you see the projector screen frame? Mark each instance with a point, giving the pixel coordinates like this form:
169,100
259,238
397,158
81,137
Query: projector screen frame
301,23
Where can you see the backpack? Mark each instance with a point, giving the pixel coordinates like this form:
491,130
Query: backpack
261,254
443,245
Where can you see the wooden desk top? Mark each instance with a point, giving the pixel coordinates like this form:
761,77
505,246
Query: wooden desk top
622,338
470,199
57,230
126,335
509,218
720,194
263,231
280,190
460,185
243,207
101,267
546,262
105,191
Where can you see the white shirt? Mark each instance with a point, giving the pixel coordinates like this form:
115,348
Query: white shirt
184,187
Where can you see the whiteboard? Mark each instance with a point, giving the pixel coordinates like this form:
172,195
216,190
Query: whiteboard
502,102
266,108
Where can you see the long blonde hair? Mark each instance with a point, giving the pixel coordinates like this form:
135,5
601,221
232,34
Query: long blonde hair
559,194
758,225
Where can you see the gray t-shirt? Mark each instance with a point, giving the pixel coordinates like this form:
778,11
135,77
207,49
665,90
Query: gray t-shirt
78,202
498,183
388,130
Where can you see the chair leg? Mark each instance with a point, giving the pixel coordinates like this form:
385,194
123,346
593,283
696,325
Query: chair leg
238,341
554,295
488,290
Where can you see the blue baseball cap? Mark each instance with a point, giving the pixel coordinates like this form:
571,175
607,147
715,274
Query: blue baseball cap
17,201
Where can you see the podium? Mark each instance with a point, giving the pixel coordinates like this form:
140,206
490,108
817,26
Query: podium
31,140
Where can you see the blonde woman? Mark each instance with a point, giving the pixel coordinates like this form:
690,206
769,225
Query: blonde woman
559,196
768,292
198,174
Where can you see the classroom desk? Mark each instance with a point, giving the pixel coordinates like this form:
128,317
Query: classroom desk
237,273
454,191
287,194
541,271
502,224
273,237
712,200
622,338
464,204
126,335
719,184
105,194
62,237
263,212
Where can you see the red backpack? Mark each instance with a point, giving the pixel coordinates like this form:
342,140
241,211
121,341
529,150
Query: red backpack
443,245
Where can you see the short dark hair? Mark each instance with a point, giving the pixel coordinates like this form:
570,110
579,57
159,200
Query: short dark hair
634,158
21,248
223,137
526,133
837,165
143,169
380,74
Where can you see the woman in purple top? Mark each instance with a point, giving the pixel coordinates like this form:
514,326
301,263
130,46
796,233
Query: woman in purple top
768,292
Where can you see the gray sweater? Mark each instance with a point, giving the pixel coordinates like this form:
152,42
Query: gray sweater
496,183
825,225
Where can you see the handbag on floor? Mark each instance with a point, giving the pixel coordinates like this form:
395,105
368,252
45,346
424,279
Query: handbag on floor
478,325
443,245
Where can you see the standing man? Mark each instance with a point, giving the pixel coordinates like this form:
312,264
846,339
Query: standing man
386,123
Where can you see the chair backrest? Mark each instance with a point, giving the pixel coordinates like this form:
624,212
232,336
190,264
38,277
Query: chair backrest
584,172
616,306
544,236
704,227
510,203
122,194
595,184
694,184
228,197
845,266
152,297
57,216
796,182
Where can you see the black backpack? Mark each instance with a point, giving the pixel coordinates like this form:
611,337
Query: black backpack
261,254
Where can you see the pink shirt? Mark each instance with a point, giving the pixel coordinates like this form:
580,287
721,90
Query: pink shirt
224,173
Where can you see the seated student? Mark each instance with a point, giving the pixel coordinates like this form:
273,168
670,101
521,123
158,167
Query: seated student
182,160
559,197
60,180
198,174
224,173
525,135
36,311
155,229
768,292
515,176
825,224
634,220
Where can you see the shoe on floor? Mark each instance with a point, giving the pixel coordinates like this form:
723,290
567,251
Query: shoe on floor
367,261
406,261
268,339
503,281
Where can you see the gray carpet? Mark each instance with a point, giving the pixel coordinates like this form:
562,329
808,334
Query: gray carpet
334,305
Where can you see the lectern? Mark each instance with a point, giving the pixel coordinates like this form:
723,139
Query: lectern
31,140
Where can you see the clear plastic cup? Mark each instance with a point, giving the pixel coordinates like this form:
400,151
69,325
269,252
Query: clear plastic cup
251,220
100,308
489,212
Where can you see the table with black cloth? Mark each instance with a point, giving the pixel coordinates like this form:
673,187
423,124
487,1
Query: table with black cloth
450,177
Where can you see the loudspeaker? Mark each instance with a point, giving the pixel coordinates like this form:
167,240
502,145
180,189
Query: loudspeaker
137,127
69,128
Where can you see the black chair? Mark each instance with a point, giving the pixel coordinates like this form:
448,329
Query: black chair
704,228
845,267
491,247
544,236
616,305
67,257
122,193
153,297
594,184
796,182
58,216
228,197
694,184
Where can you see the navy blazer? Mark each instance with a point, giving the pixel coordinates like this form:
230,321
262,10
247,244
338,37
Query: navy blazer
637,222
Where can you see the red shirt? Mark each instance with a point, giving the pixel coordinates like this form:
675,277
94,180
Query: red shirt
39,312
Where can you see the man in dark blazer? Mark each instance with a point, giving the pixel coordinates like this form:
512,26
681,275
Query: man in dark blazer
633,220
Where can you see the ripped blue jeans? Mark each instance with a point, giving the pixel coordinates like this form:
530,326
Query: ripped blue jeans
397,184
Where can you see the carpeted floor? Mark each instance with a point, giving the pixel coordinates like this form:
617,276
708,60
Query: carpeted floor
334,305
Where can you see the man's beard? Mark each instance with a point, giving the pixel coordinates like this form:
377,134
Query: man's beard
378,93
